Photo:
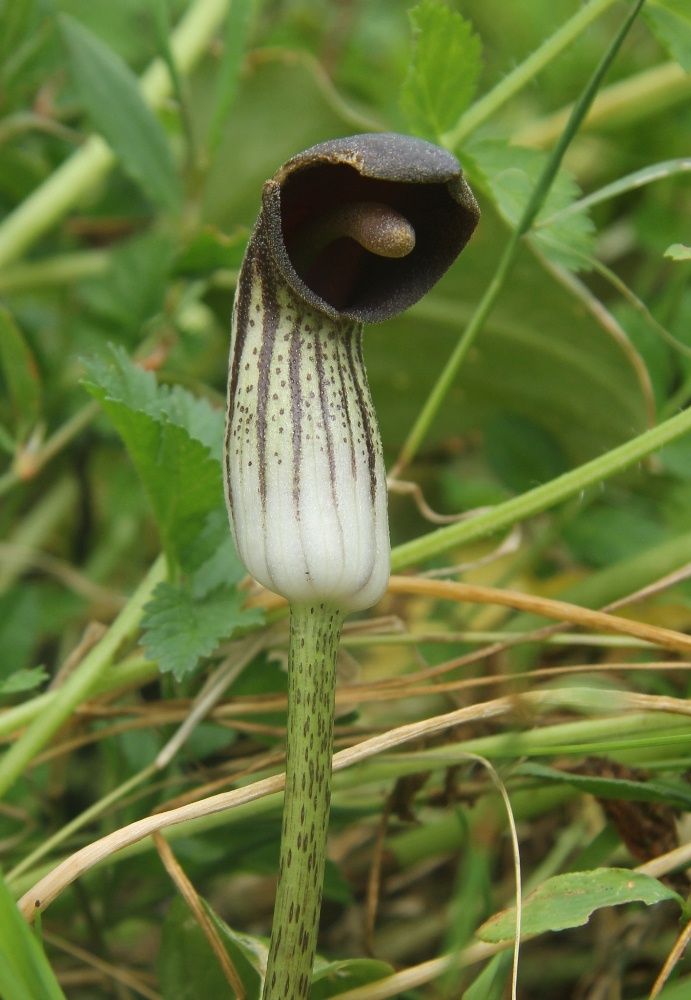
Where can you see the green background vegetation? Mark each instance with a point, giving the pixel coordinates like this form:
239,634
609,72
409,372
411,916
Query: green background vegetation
124,212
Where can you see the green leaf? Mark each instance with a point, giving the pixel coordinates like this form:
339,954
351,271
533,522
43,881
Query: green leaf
490,984
132,290
332,978
676,796
15,20
19,372
20,610
110,93
209,249
444,70
119,379
670,21
679,989
174,440
569,900
522,453
509,174
213,557
25,973
605,533
237,31
188,968
180,630
25,679
678,251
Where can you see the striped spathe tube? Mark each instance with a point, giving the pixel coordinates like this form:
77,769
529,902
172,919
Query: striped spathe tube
351,231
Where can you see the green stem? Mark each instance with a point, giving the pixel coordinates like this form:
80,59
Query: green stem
38,525
93,812
314,635
542,497
24,465
647,93
91,163
522,75
535,203
79,684
63,269
130,673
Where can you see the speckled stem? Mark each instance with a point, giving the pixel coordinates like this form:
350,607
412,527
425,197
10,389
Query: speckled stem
314,635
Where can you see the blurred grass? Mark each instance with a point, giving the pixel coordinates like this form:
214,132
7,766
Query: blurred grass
556,379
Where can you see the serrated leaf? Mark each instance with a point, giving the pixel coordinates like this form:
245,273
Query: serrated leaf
110,93
181,479
569,900
179,630
213,557
174,441
121,380
25,973
509,174
19,373
678,251
670,21
444,69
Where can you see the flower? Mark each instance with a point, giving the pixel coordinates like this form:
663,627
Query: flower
351,230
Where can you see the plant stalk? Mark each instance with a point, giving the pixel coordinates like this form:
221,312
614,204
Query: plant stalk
314,635
542,497
79,685
86,167
535,202
522,75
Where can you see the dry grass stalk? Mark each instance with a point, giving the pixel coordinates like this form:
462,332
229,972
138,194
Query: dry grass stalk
51,885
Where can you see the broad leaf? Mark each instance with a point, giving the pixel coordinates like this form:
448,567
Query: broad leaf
132,290
522,453
540,357
188,968
569,900
678,251
179,630
444,70
670,21
331,978
25,679
110,93
209,249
